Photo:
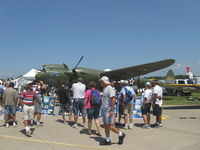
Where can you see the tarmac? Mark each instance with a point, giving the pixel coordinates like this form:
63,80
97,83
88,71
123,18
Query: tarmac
181,131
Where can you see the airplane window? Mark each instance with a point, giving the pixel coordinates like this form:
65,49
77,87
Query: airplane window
181,82
55,74
190,82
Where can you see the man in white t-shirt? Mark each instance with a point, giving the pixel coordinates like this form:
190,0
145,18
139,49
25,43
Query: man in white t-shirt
157,103
146,105
78,90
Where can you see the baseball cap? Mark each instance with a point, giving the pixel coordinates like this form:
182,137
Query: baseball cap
126,82
148,83
105,79
121,82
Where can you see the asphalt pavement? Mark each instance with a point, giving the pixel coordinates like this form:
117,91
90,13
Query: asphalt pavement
181,131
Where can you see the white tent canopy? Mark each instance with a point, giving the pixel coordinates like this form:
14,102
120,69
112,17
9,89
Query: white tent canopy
29,76
31,73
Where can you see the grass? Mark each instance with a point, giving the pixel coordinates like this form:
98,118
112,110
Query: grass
182,100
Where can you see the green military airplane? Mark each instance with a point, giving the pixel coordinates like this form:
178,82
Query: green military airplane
53,74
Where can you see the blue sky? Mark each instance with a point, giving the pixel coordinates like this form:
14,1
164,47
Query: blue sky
109,33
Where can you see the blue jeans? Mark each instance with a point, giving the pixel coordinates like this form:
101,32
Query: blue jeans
93,113
78,106
10,110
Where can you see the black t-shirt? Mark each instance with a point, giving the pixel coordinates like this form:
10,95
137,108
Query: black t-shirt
64,95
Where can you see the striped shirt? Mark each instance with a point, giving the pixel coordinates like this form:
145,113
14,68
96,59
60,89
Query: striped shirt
28,97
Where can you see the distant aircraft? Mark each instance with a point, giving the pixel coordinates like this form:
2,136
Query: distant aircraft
183,87
52,74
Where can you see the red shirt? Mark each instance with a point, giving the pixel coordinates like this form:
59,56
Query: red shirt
28,97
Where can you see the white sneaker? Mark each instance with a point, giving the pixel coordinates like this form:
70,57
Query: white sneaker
159,126
131,126
28,133
146,127
7,125
38,124
75,126
126,127
14,124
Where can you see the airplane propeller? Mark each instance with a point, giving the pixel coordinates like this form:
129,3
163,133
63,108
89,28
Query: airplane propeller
66,67
74,69
74,74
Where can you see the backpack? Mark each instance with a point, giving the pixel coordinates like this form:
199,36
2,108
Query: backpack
95,98
129,96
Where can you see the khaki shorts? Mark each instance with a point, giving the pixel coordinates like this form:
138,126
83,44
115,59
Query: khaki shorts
28,112
128,109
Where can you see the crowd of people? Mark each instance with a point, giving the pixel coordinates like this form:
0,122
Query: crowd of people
91,103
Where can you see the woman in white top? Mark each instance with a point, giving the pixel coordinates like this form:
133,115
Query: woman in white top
146,106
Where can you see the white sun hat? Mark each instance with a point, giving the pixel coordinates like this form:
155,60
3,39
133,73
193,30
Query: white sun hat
105,79
121,82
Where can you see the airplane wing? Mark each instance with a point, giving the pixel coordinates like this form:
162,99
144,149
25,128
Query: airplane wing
183,87
127,73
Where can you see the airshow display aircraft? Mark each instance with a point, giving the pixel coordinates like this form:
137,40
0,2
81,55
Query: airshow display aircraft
52,74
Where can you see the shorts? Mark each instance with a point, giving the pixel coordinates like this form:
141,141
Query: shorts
128,109
121,110
157,111
93,113
28,112
10,110
107,119
65,108
78,106
38,109
146,109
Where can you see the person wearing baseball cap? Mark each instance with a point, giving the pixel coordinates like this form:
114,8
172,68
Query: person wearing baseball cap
28,99
146,105
157,103
128,100
108,104
10,100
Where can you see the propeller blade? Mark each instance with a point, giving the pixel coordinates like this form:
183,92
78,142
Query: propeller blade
74,69
66,67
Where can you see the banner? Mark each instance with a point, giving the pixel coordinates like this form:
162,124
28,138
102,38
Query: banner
49,106
137,112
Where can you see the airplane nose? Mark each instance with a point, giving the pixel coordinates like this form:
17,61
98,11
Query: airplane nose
37,76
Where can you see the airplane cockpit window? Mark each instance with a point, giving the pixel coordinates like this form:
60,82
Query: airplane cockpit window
55,74
181,82
190,82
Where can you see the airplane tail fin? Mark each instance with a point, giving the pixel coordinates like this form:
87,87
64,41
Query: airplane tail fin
170,75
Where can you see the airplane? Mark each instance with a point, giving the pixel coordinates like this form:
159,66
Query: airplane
183,87
52,74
